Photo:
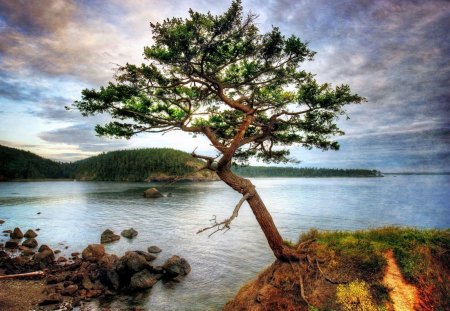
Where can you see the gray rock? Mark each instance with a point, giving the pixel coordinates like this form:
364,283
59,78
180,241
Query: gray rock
147,256
152,193
176,266
31,243
108,236
30,234
2,221
129,233
16,234
154,249
143,280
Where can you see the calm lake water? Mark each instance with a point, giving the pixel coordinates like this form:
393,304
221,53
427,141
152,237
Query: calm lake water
74,214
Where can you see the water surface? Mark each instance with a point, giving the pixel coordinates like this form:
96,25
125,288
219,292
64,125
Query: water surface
74,214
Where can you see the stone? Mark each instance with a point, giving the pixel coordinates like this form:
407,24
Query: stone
30,234
175,266
44,258
4,254
16,234
31,243
143,280
51,298
57,251
12,244
152,193
75,254
129,233
87,283
7,231
108,236
131,262
93,250
28,252
62,259
154,249
44,247
147,256
70,290
2,221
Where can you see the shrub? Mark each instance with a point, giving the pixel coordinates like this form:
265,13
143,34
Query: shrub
355,296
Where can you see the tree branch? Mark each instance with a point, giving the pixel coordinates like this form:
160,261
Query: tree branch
225,225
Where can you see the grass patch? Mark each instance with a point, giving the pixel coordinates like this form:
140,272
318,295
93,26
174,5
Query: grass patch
422,255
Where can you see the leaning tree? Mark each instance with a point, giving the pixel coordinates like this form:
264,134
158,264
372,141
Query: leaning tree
245,91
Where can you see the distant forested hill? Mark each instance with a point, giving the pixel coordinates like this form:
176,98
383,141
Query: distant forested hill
20,164
140,165
152,164
275,171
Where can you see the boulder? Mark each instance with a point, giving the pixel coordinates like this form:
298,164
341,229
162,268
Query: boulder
93,250
129,233
52,298
143,280
30,234
28,252
16,234
154,249
131,262
31,243
152,193
44,247
176,266
70,290
108,236
147,256
2,221
12,244
44,258
4,254
108,274
62,259
7,231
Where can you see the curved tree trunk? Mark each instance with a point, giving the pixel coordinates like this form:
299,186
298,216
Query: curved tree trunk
260,211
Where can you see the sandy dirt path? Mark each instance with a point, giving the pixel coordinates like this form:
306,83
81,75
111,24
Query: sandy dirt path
404,295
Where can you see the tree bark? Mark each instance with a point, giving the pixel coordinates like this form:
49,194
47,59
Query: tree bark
243,185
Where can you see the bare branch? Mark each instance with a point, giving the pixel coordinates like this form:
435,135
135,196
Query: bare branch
225,225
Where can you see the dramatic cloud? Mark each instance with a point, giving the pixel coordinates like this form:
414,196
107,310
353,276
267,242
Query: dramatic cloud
394,53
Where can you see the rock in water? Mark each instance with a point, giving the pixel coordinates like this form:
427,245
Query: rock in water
154,249
30,234
16,234
12,244
129,233
44,258
2,221
152,193
108,236
131,262
143,280
31,243
44,247
176,266
93,250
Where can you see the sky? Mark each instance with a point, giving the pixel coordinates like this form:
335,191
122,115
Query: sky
394,53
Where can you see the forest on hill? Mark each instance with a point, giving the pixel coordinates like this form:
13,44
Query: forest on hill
277,171
151,164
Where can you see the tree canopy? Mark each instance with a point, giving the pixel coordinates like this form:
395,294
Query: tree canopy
244,90
220,77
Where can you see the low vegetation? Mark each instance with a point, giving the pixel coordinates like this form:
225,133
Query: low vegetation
345,270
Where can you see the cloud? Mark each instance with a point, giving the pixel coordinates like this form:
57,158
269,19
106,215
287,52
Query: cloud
83,137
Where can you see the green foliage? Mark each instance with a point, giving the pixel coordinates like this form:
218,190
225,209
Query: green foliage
19,164
274,171
136,165
220,77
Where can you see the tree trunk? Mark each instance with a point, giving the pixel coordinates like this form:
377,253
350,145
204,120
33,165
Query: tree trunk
260,211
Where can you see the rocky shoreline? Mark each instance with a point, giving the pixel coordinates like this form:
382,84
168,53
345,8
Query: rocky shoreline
91,274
